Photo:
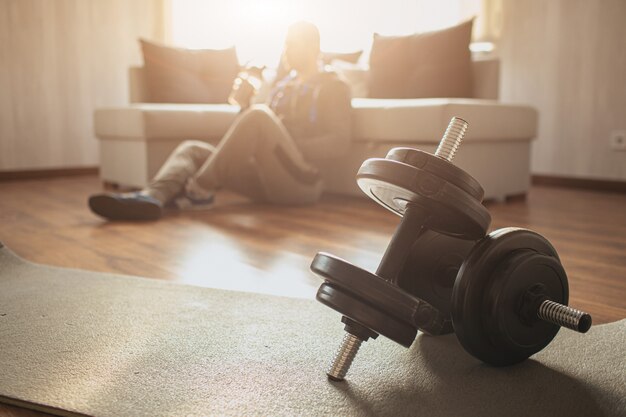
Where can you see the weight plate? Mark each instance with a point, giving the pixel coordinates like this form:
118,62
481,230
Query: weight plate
439,167
378,293
365,314
395,184
504,319
431,269
488,293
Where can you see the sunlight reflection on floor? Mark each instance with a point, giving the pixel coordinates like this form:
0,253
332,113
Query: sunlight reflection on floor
224,263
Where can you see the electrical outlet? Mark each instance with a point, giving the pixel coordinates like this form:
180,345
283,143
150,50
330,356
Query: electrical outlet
617,140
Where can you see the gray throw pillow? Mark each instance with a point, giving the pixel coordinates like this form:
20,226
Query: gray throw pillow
176,75
430,64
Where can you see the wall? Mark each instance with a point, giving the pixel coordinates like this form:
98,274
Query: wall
60,59
568,59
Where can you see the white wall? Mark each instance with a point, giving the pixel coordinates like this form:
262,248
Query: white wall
568,58
60,59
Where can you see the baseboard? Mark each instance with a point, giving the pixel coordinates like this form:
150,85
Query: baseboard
36,174
547,180
581,183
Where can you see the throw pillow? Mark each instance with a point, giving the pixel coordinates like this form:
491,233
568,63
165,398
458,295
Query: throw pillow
176,75
431,64
326,58
389,66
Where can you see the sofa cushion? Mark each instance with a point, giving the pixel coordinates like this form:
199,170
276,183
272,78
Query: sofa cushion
165,121
374,120
175,75
424,120
423,65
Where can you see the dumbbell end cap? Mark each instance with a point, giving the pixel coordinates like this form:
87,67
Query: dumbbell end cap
334,378
584,324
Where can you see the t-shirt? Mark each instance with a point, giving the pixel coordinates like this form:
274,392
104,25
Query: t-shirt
313,108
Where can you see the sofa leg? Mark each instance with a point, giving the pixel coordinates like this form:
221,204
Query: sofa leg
117,187
112,186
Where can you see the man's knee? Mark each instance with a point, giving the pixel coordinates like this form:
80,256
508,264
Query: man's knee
258,113
195,150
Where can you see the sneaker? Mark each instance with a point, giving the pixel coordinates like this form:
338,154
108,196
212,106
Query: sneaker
127,206
185,202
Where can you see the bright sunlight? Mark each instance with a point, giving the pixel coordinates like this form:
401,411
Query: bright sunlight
258,27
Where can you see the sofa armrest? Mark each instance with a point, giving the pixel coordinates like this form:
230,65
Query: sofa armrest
137,90
486,77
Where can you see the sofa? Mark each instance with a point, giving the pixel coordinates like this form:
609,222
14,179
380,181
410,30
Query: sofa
135,139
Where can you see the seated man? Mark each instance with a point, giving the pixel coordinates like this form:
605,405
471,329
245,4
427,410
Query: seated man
269,152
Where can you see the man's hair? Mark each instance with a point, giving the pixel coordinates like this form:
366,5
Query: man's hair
306,31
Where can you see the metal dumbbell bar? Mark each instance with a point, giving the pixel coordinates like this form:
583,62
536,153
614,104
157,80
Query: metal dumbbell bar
442,217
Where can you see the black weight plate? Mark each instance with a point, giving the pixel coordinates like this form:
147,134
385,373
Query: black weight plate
431,268
394,184
510,333
383,295
364,313
440,167
474,305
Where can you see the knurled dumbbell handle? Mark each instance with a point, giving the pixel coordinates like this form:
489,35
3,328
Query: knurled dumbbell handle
564,316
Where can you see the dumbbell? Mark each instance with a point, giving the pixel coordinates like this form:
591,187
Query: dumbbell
440,205
433,197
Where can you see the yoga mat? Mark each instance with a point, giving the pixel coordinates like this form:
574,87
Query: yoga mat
83,343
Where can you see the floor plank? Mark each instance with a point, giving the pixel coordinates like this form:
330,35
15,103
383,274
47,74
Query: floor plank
250,247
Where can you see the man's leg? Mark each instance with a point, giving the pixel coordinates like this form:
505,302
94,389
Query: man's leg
181,165
147,204
258,158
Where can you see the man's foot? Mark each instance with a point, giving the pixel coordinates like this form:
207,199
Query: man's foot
127,206
186,202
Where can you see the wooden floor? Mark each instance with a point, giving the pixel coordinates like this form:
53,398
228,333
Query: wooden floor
242,246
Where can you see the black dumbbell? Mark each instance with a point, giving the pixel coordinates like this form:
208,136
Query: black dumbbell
508,300
432,196
441,206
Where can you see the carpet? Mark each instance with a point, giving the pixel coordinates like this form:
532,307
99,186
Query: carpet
82,343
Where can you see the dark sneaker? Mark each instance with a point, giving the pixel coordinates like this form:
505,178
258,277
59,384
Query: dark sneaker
127,206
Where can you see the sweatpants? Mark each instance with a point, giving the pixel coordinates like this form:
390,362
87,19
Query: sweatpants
257,157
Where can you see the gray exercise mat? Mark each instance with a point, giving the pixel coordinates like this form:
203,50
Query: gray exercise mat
75,342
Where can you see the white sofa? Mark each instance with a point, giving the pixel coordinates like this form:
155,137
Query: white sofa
136,139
